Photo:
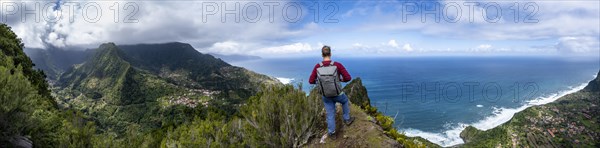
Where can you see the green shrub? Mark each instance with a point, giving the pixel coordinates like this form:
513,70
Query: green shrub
76,131
387,122
205,133
281,116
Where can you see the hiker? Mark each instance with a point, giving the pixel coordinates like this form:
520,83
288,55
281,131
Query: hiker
327,74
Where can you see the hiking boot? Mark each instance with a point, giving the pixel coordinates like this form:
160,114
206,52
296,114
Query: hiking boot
332,135
349,121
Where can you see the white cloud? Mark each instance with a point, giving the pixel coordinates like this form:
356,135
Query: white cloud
158,21
393,44
484,46
578,45
389,48
358,45
555,19
407,47
55,40
295,48
31,34
248,48
227,47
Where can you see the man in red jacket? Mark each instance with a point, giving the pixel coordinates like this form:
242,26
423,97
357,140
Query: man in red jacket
330,102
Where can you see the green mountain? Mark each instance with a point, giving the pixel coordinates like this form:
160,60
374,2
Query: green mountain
570,121
183,65
153,85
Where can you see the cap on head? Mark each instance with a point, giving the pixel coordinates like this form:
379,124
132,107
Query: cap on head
326,51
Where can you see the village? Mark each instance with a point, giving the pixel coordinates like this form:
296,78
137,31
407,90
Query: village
559,123
192,99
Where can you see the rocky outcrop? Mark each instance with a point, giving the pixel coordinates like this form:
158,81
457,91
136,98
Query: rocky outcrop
594,85
357,93
21,142
370,128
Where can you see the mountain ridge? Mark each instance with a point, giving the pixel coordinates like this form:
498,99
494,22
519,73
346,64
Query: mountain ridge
122,87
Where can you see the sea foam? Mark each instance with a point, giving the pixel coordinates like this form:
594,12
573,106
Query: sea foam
500,115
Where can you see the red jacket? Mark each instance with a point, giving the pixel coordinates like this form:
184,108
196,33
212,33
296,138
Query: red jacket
341,70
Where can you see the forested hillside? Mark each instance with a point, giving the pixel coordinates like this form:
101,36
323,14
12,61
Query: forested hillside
29,116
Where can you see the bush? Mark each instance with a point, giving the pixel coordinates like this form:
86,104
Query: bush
205,133
281,116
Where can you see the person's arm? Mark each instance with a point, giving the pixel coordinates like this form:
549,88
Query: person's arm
344,73
313,76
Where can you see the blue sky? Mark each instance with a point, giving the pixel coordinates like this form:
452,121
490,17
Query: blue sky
375,28
354,28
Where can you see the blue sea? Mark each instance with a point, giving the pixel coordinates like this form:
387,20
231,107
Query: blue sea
437,97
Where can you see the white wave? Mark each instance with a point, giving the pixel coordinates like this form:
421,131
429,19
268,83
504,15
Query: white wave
479,105
447,138
500,115
285,80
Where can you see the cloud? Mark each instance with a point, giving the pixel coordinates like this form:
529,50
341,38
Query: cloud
389,47
183,21
407,47
294,48
484,46
226,47
578,45
393,44
32,34
551,20
158,21
54,39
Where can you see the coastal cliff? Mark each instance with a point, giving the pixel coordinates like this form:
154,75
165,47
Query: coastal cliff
570,121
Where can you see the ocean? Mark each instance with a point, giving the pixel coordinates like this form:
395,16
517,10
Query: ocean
437,97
